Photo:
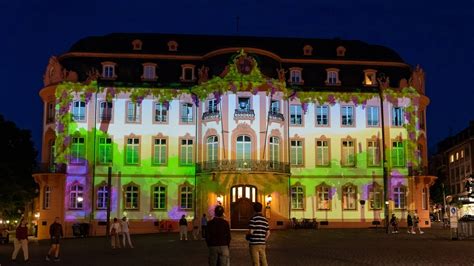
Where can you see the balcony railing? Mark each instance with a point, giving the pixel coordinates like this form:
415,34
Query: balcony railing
244,114
44,168
276,116
242,165
210,115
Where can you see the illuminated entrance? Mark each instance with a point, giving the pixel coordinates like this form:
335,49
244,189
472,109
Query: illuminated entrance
241,207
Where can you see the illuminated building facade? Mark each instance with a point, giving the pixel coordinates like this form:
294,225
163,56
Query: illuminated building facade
187,122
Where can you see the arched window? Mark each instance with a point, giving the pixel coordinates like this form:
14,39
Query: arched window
212,152
102,196
375,197
399,197
244,146
323,197
159,197
244,191
297,197
132,195
274,149
186,197
349,197
76,196
46,197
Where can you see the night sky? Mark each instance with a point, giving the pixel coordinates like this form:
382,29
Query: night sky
435,34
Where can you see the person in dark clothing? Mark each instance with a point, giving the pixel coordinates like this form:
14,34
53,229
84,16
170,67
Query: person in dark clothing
21,241
218,238
56,232
183,228
410,224
394,223
203,225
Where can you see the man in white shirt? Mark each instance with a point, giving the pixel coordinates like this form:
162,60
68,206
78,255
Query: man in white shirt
126,232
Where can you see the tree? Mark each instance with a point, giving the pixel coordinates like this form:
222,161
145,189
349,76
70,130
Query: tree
17,161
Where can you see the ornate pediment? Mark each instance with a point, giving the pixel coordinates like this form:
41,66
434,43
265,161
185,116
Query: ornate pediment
417,79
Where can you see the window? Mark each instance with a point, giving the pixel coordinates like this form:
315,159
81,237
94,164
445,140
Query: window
397,116
159,151
212,106
332,76
451,158
108,71
187,112
296,115
349,197
399,197
348,153
137,45
373,153
133,112
424,199
322,197
149,71
297,153
78,150
370,77
372,116
76,197
105,150
46,197
172,46
295,75
340,51
462,154
52,151
186,196
322,153
244,103
398,154
212,152
275,106
307,50
322,115
132,151
297,197
244,148
50,112
79,111
102,197
347,116
186,154
187,73
132,194
161,113
159,197
375,197
274,149
105,111
243,191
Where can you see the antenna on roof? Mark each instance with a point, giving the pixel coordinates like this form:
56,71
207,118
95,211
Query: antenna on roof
237,22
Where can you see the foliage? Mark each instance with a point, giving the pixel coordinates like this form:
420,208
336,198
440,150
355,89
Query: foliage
17,161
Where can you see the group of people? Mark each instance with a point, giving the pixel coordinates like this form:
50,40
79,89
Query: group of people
198,226
21,240
217,235
413,223
118,228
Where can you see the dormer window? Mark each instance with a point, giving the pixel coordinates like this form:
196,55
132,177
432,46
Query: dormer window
295,75
172,46
308,50
137,45
108,70
370,77
187,73
332,77
149,71
341,51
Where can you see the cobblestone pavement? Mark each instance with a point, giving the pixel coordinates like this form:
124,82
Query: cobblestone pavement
291,247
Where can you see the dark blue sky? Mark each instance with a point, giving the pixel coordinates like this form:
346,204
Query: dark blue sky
435,34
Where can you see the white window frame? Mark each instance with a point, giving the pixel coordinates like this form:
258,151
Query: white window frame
400,197
131,194
160,147
46,197
212,148
186,197
373,117
349,197
370,77
398,153
102,197
348,152
160,113
78,150
108,71
322,115
274,149
75,193
186,152
105,147
188,67
322,152
133,146
149,71
133,112
105,110
398,116
296,115
297,152
347,118
158,197
79,111
243,148
297,197
296,75
332,77
323,198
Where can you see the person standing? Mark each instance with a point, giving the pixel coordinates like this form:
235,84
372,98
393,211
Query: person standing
258,234
409,224
114,233
416,222
394,223
203,225
126,232
21,241
196,224
55,232
218,239
183,228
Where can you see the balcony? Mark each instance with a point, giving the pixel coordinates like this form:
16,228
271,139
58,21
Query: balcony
244,114
48,168
210,115
276,116
242,165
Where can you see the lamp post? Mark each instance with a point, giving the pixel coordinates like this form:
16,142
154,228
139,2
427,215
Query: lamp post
109,194
382,79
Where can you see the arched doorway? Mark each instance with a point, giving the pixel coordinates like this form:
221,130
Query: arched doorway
242,199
